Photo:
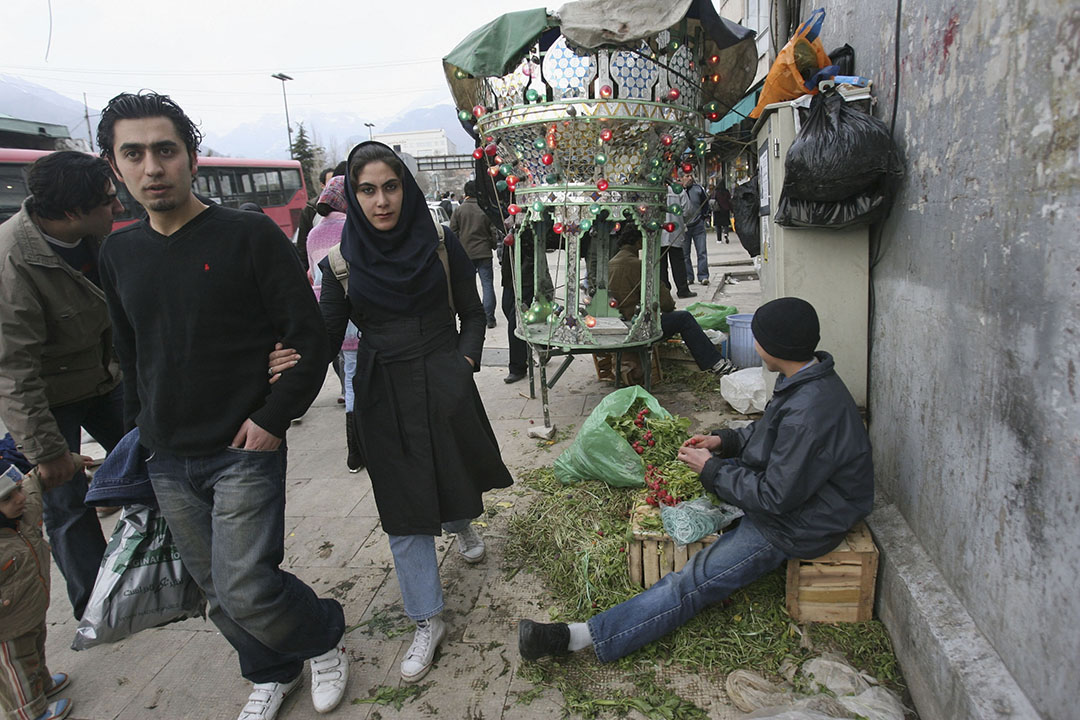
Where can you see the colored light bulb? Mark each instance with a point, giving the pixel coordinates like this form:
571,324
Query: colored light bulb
675,209
586,225
714,116
605,134
464,116
590,321
673,94
478,153
513,209
506,170
605,91
547,158
551,142
493,171
653,178
551,178
666,139
531,95
557,228
687,167
491,149
613,303
600,158
676,188
595,209
501,186
652,225
670,227
538,207
460,74
508,240
511,181
479,111
643,209
714,59
539,143
601,184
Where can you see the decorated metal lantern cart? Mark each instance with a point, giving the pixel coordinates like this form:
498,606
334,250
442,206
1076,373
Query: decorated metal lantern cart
581,119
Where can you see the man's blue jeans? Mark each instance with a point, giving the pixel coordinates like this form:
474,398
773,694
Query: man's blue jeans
681,322
487,283
74,529
735,560
697,242
227,515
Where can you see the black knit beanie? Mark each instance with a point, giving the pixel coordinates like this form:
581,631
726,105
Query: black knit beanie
787,328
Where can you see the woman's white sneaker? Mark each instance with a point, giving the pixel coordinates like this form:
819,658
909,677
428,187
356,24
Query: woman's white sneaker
417,662
471,545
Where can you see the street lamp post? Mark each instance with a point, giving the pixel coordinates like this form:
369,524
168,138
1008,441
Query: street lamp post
369,126
283,77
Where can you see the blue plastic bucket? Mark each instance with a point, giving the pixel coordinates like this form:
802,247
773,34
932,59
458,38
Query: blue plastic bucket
742,341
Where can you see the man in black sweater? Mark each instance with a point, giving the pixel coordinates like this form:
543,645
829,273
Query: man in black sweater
198,296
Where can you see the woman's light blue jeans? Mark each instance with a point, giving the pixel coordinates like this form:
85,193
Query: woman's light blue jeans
735,560
418,571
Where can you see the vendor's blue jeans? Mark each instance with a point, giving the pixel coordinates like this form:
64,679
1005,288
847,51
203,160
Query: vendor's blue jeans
697,242
227,515
418,571
735,560
486,272
681,322
74,529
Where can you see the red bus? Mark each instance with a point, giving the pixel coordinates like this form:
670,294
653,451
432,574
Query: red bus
277,186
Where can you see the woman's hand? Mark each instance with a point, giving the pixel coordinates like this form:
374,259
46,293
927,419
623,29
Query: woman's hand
695,458
281,359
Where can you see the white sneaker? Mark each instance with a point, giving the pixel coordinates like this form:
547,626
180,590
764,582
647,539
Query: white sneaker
471,545
265,700
329,675
417,662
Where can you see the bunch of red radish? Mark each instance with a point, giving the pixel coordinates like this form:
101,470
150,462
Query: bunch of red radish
658,493
647,437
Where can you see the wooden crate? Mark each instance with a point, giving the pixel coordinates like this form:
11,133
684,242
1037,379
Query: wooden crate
631,367
838,586
654,554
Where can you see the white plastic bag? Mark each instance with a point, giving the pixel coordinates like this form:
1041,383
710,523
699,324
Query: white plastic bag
744,390
141,583
833,674
875,703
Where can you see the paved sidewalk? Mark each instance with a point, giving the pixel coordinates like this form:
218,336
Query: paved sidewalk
187,671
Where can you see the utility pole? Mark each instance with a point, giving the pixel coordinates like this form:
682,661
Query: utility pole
89,133
369,126
283,77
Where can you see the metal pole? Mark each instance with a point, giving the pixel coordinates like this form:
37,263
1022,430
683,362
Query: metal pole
89,134
369,126
283,77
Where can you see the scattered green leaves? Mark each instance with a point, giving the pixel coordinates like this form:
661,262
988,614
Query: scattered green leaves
395,697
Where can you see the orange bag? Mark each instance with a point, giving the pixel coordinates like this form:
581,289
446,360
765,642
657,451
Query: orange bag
785,79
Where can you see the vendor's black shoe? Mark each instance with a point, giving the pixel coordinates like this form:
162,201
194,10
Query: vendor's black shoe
513,377
355,460
687,293
491,322
537,640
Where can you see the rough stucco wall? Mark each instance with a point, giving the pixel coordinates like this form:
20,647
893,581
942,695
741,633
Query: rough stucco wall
976,336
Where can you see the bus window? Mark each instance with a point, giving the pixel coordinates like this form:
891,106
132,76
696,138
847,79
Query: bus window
290,180
273,181
245,181
12,190
259,179
225,179
202,185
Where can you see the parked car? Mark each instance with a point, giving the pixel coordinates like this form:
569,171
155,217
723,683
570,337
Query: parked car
438,214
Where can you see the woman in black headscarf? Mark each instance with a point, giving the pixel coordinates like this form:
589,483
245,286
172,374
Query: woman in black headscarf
430,449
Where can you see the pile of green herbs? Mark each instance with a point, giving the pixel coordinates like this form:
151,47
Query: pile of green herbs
576,538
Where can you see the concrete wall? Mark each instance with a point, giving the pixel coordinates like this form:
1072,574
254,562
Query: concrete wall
976,335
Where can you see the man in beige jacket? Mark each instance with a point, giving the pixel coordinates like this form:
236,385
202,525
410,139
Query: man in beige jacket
58,373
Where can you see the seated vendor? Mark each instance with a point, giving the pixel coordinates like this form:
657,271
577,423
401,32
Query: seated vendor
624,286
802,473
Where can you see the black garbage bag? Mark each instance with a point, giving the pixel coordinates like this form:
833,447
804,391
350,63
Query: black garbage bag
843,58
840,152
744,208
864,208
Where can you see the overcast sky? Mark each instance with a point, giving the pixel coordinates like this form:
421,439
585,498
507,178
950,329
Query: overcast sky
215,57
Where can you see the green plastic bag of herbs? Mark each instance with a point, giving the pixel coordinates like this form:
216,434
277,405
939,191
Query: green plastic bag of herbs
614,441
711,316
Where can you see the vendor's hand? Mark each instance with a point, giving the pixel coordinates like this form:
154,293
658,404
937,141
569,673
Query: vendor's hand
694,458
252,437
56,472
471,361
707,442
281,359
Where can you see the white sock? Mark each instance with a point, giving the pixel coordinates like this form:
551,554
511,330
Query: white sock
580,638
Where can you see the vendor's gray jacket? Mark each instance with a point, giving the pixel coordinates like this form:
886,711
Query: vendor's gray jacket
803,472
56,342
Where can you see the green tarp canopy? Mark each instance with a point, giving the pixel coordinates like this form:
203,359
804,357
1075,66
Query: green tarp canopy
493,49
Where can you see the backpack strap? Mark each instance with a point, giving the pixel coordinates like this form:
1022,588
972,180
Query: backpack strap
340,266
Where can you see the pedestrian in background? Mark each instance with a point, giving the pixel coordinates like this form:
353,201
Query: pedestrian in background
479,237
671,247
696,250
721,205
